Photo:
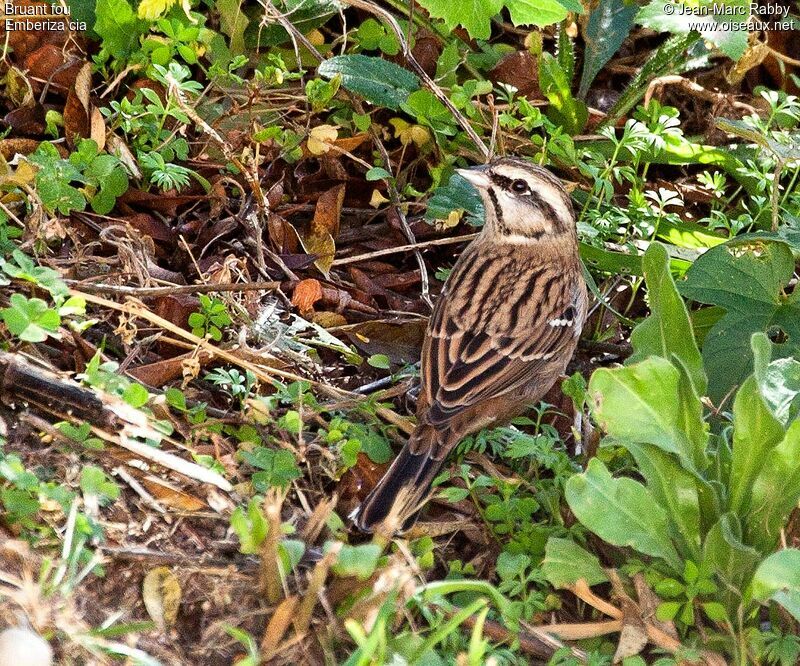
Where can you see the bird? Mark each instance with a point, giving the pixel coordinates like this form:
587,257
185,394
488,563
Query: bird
501,333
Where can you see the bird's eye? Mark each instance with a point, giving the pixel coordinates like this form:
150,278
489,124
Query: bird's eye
519,186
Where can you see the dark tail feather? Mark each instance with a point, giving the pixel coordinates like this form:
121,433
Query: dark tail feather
399,495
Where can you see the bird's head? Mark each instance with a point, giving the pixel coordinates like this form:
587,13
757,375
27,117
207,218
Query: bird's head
524,202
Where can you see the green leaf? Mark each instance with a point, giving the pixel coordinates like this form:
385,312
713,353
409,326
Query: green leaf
565,563
305,15
755,433
564,109
279,467
778,381
747,279
712,24
95,482
376,80
622,512
671,56
647,402
729,558
457,195
377,173
251,527
30,320
118,27
668,329
675,490
233,22
715,611
608,26
380,361
136,395
474,15
358,561
775,492
539,12
778,578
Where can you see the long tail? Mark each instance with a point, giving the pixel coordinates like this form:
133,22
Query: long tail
394,502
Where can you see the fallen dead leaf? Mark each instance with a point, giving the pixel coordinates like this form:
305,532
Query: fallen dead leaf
306,293
319,240
321,138
161,593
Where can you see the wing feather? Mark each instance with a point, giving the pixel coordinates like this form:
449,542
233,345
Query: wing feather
487,342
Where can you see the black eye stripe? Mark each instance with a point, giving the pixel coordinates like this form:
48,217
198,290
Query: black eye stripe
502,181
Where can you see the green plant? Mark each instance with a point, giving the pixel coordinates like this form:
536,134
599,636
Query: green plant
102,178
210,319
716,492
239,385
32,319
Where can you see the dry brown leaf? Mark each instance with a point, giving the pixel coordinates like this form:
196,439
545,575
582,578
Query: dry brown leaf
169,495
28,119
161,593
77,111
50,63
632,640
400,342
520,70
306,293
278,624
324,227
329,319
328,211
350,143
321,138
97,128
118,147
11,147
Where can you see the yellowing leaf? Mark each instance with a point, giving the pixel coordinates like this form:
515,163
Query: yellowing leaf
321,138
377,200
453,218
150,10
408,133
324,227
161,593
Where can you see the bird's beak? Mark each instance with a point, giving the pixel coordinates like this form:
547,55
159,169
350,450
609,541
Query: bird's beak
477,176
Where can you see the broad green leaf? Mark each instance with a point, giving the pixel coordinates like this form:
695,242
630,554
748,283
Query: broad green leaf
358,561
608,26
705,17
305,15
778,381
458,195
565,563
376,80
565,52
537,12
118,27
732,561
564,109
646,402
778,578
747,279
611,262
671,56
622,512
755,433
667,330
474,15
775,492
233,22
674,489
